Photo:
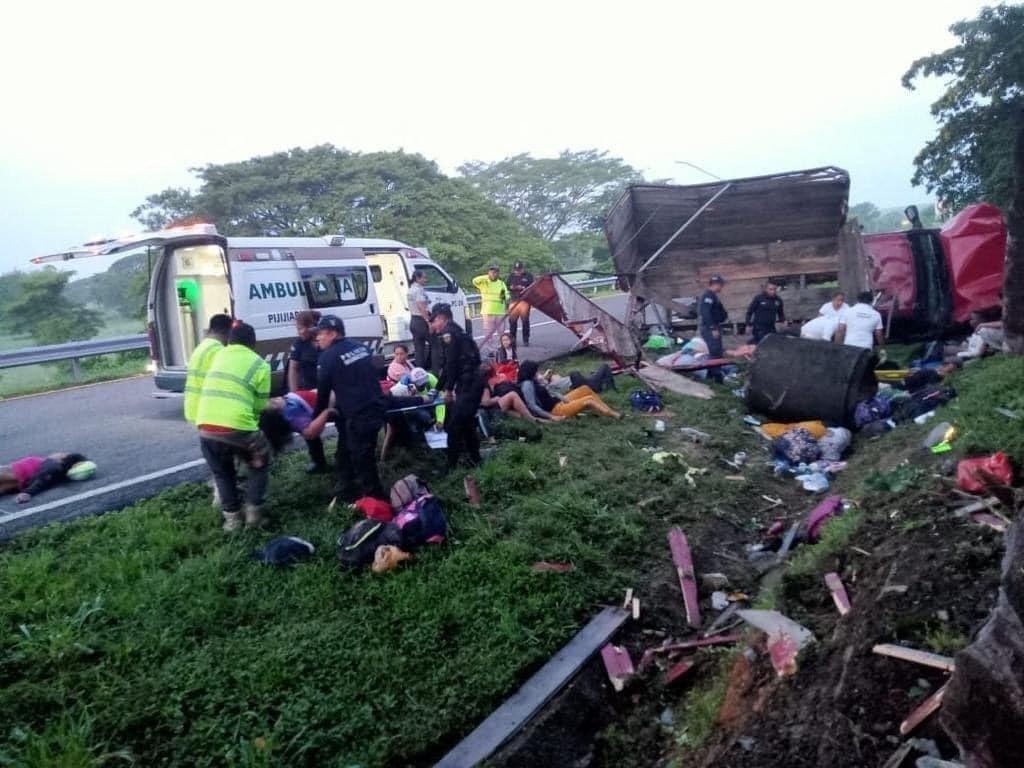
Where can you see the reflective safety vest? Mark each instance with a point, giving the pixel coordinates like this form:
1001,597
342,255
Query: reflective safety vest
493,295
236,389
198,365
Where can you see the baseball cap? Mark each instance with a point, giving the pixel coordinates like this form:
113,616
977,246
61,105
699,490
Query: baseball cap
418,377
495,267
518,265
440,309
331,323
717,278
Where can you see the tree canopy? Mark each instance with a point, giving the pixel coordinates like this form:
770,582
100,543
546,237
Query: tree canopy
873,219
554,196
971,158
34,303
379,194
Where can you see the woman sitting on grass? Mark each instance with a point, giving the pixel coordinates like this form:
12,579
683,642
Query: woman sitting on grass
400,365
508,401
31,475
551,406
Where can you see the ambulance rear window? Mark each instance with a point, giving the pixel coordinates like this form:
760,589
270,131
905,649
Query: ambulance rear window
334,287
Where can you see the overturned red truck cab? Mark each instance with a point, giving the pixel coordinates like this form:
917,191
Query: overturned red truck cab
792,228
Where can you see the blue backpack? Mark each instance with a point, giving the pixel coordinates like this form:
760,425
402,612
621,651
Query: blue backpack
646,400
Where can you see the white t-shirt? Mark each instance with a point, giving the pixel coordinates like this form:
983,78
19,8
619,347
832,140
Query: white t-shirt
827,310
861,323
820,327
416,294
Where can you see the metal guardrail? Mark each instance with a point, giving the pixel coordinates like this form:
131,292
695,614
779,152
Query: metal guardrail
75,350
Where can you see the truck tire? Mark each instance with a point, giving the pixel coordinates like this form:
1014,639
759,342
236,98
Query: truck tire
795,379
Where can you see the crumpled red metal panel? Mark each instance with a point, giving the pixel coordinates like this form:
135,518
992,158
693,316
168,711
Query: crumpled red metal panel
594,326
975,244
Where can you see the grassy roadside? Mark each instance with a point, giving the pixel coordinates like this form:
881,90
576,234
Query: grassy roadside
149,633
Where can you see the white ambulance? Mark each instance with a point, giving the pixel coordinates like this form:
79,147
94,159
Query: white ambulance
197,273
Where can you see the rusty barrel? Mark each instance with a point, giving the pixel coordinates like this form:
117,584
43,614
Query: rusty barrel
794,379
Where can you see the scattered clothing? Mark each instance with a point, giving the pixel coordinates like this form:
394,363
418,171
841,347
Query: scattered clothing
797,446
284,551
834,443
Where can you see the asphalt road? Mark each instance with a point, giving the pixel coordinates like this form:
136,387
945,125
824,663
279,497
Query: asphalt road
140,443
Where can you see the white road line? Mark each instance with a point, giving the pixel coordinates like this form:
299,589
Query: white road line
11,517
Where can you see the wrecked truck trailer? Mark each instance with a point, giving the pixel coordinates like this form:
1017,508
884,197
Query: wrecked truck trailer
667,241
792,228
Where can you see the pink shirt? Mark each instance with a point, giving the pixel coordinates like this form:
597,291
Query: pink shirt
24,469
397,370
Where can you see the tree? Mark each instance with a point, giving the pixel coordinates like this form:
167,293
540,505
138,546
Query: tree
41,310
554,196
1013,278
381,194
873,219
971,157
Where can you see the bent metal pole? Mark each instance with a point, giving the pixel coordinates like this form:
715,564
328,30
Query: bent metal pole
679,231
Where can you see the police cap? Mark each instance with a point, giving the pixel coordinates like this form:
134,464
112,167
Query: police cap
441,309
331,323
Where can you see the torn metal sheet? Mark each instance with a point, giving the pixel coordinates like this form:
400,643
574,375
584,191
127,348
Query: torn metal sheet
593,326
545,683
661,377
785,637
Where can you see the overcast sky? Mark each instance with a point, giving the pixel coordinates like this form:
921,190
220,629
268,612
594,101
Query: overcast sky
108,102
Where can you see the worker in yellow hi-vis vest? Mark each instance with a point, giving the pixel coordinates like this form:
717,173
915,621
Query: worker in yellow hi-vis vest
493,299
235,392
200,360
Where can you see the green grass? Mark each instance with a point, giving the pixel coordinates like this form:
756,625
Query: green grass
30,379
150,633
995,382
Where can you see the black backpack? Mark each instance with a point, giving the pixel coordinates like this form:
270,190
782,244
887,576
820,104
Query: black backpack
358,545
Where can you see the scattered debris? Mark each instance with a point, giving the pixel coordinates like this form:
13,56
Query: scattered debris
975,475
714,581
618,664
736,478
684,569
787,542
544,565
860,551
563,462
821,514
785,637
992,521
923,712
691,645
839,596
896,758
723,619
629,599
719,601
1007,413
676,671
636,609
945,663
646,502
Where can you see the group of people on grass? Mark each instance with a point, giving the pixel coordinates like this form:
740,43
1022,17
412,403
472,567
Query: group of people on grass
332,378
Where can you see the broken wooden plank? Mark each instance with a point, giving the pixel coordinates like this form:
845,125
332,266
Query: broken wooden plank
923,712
691,645
945,663
629,599
636,609
676,671
618,665
839,596
687,580
535,692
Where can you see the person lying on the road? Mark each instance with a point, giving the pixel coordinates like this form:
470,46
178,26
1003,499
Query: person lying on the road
545,404
32,475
